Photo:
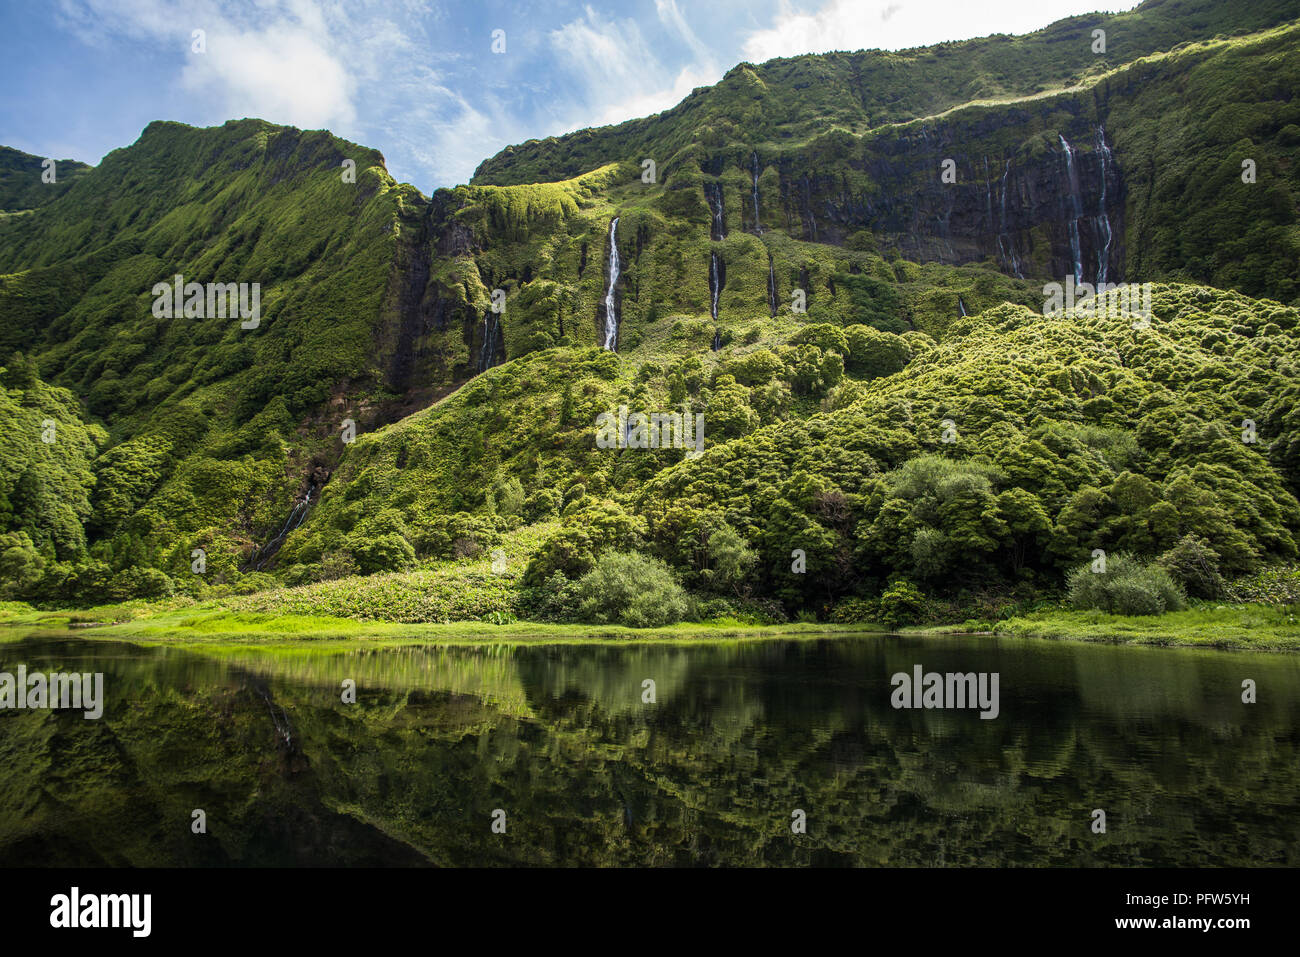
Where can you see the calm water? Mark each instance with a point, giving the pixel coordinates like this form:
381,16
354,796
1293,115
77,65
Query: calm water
740,736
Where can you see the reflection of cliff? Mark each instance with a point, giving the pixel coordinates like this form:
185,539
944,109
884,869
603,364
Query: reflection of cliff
742,734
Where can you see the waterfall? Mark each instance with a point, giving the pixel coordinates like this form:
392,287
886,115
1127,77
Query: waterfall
491,328
1006,244
1077,207
296,517
807,208
962,306
714,283
713,192
771,286
758,225
1103,220
611,314
988,195
717,339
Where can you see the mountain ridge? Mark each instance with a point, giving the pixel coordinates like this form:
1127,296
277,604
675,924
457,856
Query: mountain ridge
779,290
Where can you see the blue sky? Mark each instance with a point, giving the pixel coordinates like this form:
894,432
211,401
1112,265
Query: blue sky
417,79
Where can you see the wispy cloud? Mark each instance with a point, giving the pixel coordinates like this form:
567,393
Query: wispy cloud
416,78
620,77
277,60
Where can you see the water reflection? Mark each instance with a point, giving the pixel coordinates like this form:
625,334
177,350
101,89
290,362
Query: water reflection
741,734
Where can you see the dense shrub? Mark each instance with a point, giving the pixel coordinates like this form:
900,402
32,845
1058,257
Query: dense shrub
384,553
1272,586
902,603
854,611
1126,587
631,589
1195,566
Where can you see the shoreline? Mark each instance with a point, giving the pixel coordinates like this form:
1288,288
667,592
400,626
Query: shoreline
1236,627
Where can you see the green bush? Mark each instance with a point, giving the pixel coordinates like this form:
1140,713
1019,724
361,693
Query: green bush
1126,587
1195,566
902,603
631,589
1279,585
384,553
855,611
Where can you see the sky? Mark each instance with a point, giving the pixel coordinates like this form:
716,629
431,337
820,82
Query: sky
436,86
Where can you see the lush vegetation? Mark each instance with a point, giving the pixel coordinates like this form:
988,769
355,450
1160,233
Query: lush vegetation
894,432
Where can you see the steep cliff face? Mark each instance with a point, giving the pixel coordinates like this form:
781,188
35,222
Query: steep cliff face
1033,212
793,100
1041,187
901,192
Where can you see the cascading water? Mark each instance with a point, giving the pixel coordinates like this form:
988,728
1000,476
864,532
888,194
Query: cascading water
1006,243
961,306
771,286
611,314
758,225
295,519
1077,207
487,350
714,284
1103,220
713,192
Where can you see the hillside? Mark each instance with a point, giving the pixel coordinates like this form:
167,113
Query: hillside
865,339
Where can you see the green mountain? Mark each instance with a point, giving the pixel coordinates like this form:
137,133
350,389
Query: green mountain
839,261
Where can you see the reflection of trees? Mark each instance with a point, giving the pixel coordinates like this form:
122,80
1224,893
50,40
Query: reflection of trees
741,735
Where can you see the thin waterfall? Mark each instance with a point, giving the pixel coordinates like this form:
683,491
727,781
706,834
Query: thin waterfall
1006,243
1077,207
296,517
715,283
487,351
717,227
961,306
1103,221
611,306
771,286
758,225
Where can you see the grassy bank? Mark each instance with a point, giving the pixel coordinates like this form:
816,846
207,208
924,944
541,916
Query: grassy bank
213,623
1260,627
1242,626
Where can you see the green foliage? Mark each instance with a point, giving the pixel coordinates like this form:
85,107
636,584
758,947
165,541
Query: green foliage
881,433
902,603
1126,587
631,589
1194,566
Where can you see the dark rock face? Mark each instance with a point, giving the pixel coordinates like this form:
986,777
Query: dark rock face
1053,211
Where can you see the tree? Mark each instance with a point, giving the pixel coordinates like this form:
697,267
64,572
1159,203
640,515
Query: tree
631,589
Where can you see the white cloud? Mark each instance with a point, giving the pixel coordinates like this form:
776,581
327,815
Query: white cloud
280,60
621,78
894,25
283,73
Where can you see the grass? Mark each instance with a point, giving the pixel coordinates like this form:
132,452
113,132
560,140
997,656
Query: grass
1253,626
1245,626
210,622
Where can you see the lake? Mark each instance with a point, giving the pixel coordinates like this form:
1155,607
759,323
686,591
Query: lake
552,754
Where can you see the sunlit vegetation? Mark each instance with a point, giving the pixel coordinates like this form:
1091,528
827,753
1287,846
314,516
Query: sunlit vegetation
886,440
